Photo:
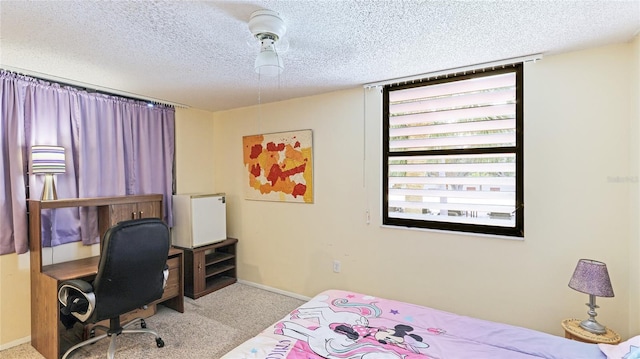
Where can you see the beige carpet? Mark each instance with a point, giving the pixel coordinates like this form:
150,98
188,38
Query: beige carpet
209,327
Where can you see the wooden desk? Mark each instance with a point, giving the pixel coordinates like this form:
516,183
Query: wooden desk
87,268
45,309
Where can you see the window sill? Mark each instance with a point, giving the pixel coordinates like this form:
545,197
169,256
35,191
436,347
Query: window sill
441,231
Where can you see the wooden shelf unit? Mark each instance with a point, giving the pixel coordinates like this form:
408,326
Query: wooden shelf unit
209,268
45,313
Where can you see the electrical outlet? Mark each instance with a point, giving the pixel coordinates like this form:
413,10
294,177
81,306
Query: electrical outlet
336,266
368,217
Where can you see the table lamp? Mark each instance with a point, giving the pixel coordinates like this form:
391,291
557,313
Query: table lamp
591,277
47,160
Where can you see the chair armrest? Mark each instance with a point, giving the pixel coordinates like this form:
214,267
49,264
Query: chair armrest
79,284
165,274
77,299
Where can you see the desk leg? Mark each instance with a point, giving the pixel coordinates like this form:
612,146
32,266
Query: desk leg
44,316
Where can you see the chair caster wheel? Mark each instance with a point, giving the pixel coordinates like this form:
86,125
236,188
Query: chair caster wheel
143,324
159,342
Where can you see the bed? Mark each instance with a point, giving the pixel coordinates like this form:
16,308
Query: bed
338,324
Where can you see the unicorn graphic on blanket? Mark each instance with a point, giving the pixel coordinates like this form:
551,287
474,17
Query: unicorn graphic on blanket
347,333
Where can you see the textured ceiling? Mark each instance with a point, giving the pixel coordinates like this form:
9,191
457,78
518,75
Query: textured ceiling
196,53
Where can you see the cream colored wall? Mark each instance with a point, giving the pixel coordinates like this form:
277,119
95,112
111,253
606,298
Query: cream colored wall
576,143
634,263
577,170
15,300
194,151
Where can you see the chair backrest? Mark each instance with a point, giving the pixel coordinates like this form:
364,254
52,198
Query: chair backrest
134,255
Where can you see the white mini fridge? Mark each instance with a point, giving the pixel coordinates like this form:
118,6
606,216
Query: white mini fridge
198,219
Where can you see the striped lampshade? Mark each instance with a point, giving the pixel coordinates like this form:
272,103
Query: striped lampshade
47,159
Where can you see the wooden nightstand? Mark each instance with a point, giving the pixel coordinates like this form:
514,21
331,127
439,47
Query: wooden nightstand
573,331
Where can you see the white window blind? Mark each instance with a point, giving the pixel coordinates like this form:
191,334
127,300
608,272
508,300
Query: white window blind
452,154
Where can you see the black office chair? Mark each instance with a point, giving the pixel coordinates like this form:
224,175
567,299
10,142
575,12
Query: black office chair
131,274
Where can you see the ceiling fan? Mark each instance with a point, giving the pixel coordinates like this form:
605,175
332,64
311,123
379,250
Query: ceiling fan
268,27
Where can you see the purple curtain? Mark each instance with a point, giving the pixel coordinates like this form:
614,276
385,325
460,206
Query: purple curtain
48,118
113,146
13,207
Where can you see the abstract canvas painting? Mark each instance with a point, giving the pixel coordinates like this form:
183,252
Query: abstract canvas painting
279,166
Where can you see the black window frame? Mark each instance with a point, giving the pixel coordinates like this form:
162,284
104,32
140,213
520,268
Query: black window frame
518,150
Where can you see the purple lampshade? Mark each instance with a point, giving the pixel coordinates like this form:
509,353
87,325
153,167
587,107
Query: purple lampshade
591,277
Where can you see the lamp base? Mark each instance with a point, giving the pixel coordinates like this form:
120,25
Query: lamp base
49,188
593,326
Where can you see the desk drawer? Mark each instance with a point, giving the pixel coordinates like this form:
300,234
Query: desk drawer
172,288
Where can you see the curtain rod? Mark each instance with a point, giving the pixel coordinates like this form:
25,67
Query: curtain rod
87,86
455,70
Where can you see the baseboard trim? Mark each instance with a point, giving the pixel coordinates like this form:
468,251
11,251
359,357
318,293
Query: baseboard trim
275,290
15,343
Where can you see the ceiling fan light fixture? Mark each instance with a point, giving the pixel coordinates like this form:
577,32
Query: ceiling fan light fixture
267,26
267,22
269,63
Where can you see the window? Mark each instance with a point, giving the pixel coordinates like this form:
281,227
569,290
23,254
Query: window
452,152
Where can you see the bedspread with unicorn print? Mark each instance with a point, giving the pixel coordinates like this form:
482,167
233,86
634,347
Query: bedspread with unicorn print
346,325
